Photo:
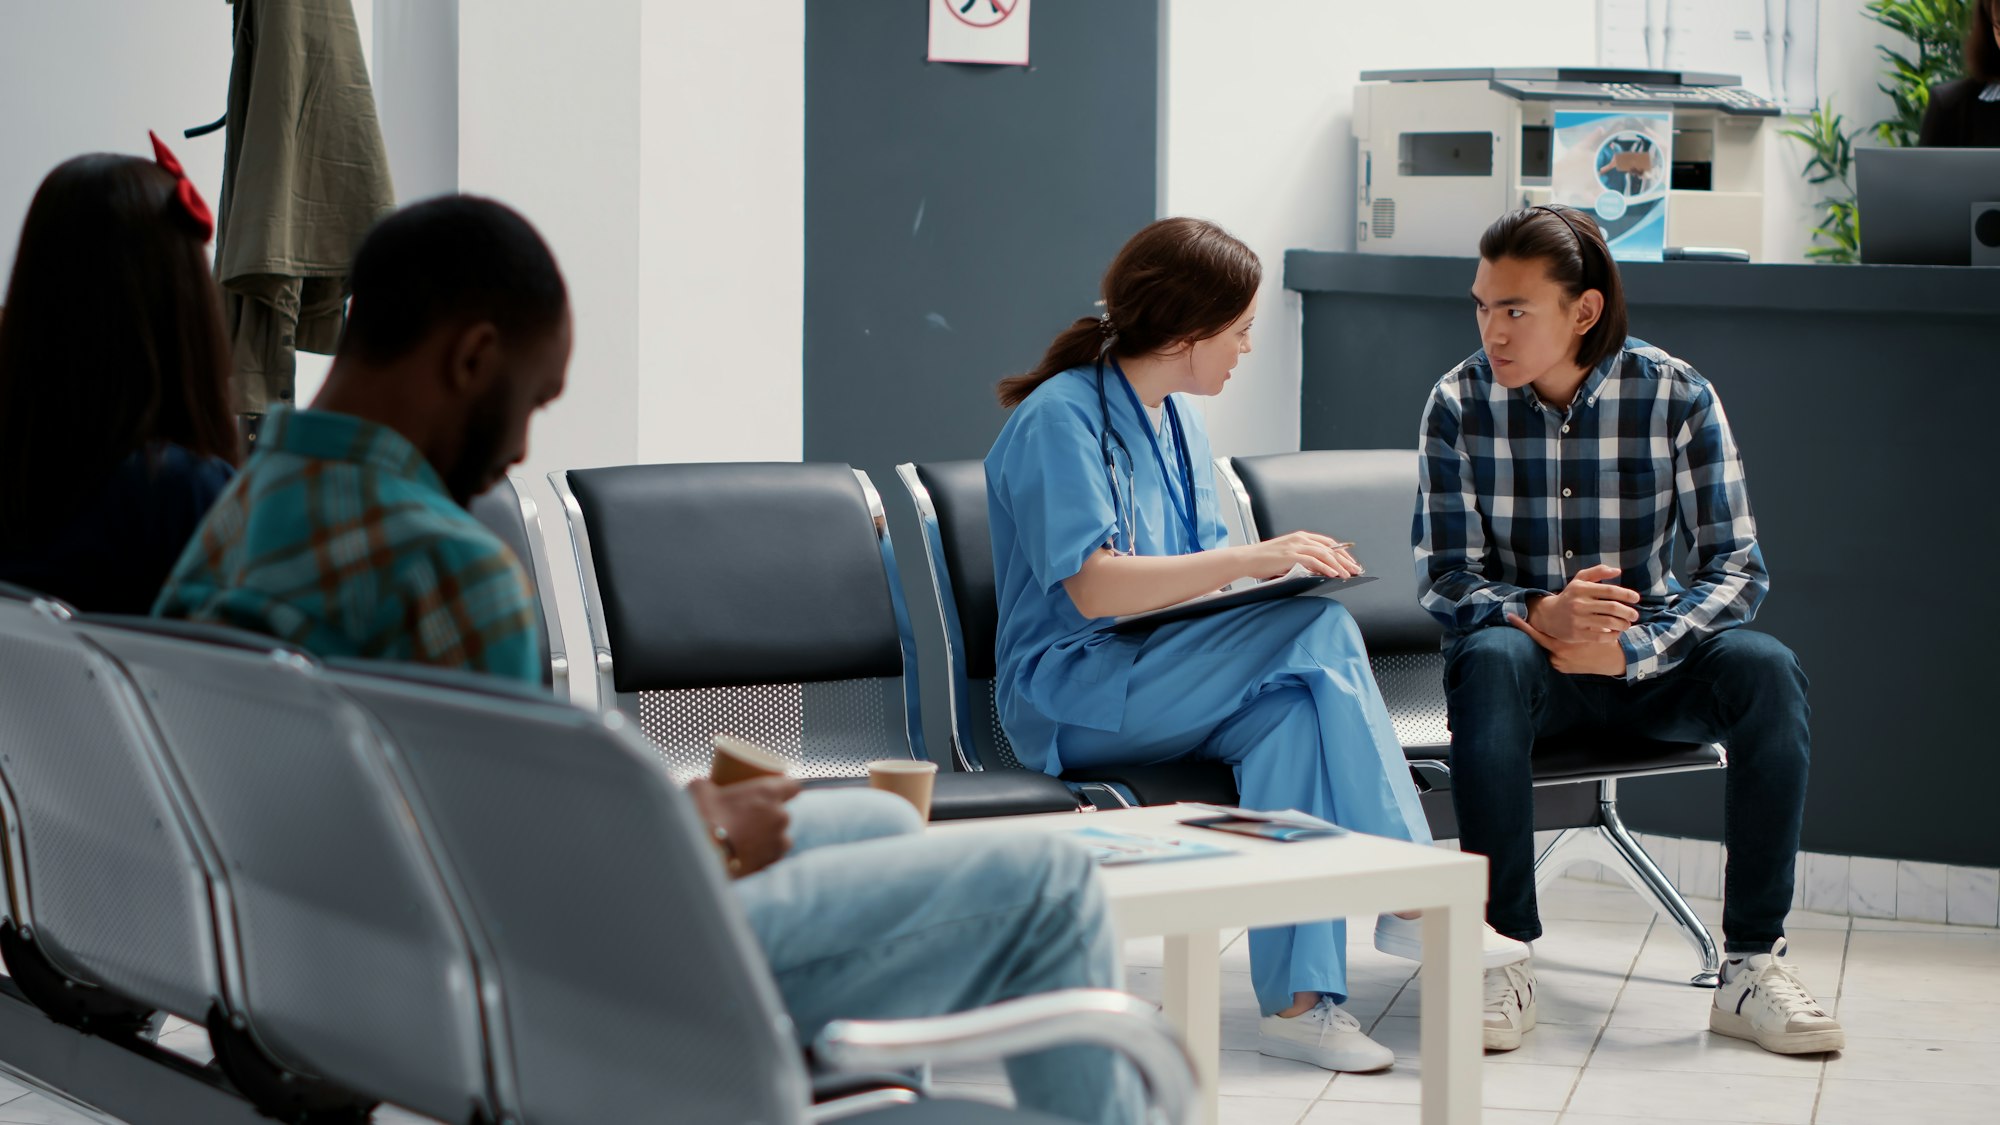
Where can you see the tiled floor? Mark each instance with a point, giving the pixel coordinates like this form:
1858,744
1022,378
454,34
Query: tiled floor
1622,1037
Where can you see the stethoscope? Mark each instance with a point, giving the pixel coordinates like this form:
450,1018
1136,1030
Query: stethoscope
1108,440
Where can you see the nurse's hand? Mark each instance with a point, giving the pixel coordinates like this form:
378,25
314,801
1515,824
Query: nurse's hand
1318,553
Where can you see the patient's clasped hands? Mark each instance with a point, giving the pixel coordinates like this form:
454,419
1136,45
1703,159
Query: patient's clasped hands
1580,626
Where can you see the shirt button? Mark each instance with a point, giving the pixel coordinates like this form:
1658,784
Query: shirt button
1569,554
1565,492
1592,402
1565,429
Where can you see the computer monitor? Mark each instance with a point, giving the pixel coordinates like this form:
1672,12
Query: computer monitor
1916,203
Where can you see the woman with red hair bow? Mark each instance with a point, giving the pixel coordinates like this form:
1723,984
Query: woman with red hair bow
115,434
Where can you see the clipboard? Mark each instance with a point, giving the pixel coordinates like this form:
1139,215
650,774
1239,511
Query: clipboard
1270,590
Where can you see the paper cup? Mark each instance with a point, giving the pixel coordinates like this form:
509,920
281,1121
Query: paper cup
737,760
906,778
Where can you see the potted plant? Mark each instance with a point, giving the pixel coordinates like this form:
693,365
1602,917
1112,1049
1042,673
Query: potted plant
1936,29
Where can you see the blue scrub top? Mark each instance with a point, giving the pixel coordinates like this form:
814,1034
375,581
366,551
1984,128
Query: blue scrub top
1050,503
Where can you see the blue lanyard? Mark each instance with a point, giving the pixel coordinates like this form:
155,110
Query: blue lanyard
1183,495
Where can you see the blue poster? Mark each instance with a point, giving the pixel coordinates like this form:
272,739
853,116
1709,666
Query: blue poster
1617,166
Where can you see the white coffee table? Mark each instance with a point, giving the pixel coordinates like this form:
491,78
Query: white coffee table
1190,902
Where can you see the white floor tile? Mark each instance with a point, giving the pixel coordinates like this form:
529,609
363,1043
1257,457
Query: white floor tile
1693,1048
1850,1102
10,1089
1905,1019
1905,926
1550,1044
1261,1111
1652,1005
1921,981
1969,947
1249,1074
1523,1086
1606,1119
396,1115
1916,1060
1384,1113
1665,1095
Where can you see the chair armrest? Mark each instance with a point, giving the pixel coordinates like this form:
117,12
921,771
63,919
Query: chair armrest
1078,1016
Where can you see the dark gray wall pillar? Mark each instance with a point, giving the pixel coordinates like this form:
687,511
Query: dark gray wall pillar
956,218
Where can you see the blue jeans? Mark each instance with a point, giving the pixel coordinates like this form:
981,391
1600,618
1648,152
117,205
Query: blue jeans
1740,688
861,922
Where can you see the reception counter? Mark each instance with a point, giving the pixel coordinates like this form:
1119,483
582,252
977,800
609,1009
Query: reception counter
1866,400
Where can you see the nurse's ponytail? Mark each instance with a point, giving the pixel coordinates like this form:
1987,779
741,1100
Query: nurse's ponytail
1177,281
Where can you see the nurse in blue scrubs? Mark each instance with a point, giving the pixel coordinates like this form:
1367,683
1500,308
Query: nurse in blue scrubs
1101,494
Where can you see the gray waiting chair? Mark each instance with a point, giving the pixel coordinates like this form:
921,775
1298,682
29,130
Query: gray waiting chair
109,902
950,498
349,973
631,984
1369,497
761,600
509,512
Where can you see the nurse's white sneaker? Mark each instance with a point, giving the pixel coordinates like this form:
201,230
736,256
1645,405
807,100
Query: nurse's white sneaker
1404,937
1509,1005
1764,1001
1326,1036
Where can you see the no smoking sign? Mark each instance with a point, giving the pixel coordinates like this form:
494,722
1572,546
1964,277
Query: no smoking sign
980,31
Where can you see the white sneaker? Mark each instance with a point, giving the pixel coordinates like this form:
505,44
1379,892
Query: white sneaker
1767,1004
1509,1005
1326,1037
1404,937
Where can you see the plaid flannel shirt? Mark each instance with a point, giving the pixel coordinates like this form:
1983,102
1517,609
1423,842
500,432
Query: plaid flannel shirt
340,538
1514,497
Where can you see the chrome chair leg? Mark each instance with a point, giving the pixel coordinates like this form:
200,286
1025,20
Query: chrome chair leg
1645,876
1612,845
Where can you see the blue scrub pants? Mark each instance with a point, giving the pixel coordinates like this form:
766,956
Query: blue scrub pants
1282,692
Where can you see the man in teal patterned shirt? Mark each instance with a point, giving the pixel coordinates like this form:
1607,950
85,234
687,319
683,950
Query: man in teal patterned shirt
348,533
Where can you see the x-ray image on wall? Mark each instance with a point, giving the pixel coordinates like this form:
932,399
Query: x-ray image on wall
1772,44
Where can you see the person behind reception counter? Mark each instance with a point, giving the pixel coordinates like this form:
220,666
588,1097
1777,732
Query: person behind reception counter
1966,113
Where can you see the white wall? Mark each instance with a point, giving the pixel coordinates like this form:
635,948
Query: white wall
74,81
722,232
1849,70
1257,136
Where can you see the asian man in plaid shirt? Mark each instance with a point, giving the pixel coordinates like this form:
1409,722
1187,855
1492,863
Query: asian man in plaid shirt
1562,466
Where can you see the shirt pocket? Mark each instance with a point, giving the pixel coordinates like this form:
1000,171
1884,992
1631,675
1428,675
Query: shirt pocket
1635,481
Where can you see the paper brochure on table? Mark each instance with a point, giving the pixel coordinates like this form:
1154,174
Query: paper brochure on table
1290,818
1115,849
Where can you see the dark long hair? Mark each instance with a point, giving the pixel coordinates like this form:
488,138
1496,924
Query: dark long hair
1177,280
111,338
1982,54
1568,242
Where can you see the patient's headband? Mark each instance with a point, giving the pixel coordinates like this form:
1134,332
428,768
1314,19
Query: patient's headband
1557,212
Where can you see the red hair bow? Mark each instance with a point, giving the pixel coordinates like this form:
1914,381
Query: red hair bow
190,199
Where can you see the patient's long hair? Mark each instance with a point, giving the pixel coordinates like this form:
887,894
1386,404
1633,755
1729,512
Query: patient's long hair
1177,281
1571,245
111,338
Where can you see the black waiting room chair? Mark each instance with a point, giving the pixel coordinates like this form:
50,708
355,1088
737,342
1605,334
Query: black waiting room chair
761,600
950,497
1369,497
